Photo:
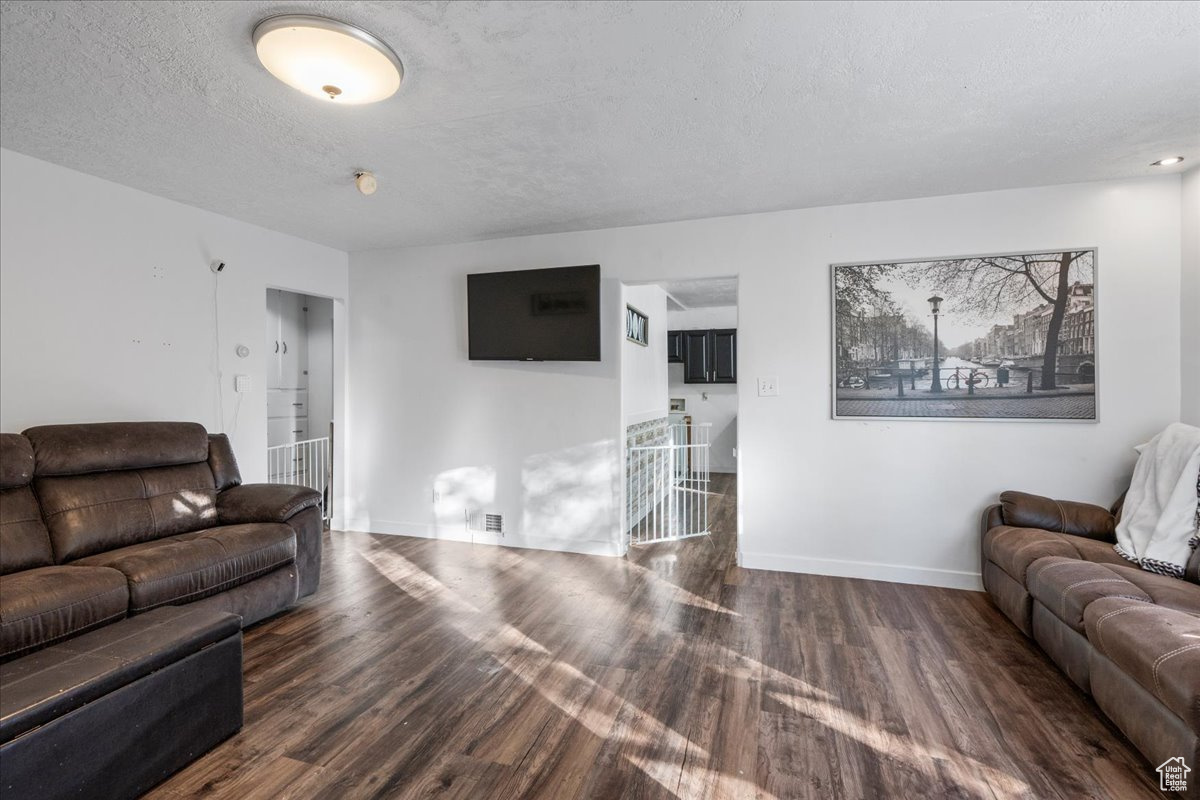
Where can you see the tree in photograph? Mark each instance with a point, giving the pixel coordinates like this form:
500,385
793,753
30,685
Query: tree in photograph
858,286
856,300
873,329
989,285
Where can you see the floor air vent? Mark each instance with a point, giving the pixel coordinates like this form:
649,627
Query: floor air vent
493,523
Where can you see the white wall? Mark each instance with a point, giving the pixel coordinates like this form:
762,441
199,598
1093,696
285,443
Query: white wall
716,403
435,435
320,364
106,306
897,500
1189,298
644,369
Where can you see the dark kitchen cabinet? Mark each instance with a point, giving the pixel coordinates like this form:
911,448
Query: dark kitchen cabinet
724,356
674,347
697,357
710,356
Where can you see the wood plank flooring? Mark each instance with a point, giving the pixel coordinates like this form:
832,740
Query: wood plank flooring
426,669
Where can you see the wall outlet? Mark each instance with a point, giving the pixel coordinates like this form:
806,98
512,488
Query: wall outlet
768,387
241,383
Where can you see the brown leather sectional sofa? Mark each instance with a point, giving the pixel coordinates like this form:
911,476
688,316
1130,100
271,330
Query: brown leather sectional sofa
1128,637
130,558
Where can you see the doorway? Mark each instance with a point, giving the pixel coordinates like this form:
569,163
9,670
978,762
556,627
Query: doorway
679,402
300,425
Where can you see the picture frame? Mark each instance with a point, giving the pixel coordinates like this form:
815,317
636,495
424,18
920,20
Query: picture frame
1017,339
637,326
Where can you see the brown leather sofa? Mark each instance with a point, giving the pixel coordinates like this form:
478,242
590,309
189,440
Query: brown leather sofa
108,520
1128,637
130,558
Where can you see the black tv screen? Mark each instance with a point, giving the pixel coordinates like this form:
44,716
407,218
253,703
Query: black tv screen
534,315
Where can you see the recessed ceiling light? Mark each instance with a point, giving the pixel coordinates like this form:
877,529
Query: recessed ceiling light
328,59
1167,162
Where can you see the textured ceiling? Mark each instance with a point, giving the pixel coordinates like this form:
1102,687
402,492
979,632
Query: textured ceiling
531,117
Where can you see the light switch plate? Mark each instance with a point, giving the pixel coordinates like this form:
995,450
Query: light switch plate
241,383
768,387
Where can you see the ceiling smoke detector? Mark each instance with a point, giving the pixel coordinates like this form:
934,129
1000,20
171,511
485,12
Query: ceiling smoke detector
366,183
328,59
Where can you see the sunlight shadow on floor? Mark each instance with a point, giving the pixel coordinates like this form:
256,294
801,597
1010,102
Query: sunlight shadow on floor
970,774
696,781
557,681
683,595
662,754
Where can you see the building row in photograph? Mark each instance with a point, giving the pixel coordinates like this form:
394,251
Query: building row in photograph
1026,336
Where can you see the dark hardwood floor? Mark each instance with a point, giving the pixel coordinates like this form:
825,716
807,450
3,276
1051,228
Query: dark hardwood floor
436,669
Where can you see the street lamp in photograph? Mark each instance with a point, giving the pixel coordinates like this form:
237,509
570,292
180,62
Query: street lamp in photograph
935,305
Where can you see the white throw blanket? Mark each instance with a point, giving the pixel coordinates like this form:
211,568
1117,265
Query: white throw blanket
1158,523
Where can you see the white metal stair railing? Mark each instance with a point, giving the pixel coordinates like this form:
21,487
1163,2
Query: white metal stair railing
303,463
667,486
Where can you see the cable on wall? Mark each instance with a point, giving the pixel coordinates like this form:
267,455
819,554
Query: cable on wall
237,410
217,268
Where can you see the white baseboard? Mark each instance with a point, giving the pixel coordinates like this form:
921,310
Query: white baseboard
419,531
868,570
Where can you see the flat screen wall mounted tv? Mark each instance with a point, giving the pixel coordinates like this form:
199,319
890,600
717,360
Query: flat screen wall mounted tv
534,315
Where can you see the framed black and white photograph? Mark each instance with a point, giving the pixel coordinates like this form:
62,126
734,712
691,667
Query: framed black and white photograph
637,326
991,337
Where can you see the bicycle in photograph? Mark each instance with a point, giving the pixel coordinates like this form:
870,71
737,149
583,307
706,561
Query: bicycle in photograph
974,379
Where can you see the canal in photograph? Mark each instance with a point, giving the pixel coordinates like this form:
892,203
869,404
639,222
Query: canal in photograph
955,372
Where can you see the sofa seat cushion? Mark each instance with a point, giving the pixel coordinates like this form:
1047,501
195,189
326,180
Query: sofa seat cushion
1067,586
1165,591
187,567
1014,549
41,606
1157,647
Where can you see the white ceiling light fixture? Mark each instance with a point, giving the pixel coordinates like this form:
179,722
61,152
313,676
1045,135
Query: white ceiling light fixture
328,59
1167,162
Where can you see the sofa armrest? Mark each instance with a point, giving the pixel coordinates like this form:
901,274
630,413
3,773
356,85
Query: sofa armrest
295,506
1059,516
264,502
993,516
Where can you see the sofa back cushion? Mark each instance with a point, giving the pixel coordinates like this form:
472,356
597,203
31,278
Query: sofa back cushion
24,541
106,446
108,485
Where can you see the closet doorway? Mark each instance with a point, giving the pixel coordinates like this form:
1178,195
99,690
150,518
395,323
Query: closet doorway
300,429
